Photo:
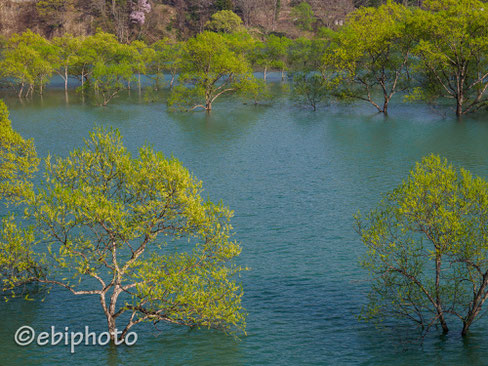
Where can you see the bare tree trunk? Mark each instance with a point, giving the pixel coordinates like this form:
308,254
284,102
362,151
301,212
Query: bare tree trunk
111,327
478,302
83,81
21,90
385,107
459,105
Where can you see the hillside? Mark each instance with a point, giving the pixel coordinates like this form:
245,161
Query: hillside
153,19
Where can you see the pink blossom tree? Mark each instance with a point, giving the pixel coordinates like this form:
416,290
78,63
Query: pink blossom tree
139,10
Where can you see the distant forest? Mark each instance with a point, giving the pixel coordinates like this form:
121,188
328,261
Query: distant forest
150,20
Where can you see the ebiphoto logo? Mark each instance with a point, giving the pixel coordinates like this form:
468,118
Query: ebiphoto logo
26,335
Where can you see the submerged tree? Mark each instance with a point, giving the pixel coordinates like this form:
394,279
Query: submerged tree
453,53
166,57
427,248
109,80
207,74
136,233
374,53
66,55
108,66
28,62
311,89
18,160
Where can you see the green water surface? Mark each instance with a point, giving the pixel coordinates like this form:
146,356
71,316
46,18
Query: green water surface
294,179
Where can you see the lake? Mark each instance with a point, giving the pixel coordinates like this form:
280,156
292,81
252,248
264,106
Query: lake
294,178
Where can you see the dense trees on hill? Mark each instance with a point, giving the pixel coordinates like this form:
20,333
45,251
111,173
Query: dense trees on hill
436,53
153,19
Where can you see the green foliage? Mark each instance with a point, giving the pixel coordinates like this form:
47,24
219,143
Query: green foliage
167,56
434,53
306,54
66,55
374,53
108,80
257,92
206,74
18,160
452,49
427,247
110,66
27,61
272,54
303,16
225,21
311,89
136,232
19,262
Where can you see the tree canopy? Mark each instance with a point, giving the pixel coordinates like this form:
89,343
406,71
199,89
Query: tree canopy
206,74
373,54
18,159
133,231
225,21
427,248
452,48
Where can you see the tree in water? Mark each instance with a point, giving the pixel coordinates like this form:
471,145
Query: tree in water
452,52
207,75
373,54
427,248
132,231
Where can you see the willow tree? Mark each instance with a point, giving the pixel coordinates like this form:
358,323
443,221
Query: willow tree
27,62
18,160
210,68
272,54
427,248
374,52
452,52
134,232
165,56
140,56
107,65
312,88
66,53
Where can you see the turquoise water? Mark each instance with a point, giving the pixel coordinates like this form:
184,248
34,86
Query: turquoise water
294,179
